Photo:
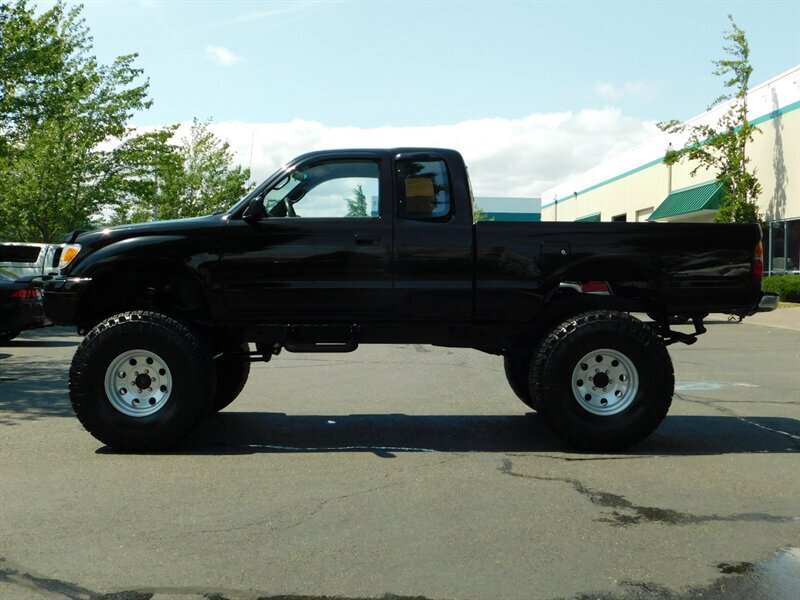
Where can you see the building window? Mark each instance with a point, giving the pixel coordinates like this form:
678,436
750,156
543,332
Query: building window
782,242
622,217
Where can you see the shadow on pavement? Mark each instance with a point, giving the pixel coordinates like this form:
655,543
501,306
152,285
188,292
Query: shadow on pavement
44,337
33,389
389,434
37,343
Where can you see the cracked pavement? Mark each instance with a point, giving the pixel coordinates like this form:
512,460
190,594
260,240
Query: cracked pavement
406,472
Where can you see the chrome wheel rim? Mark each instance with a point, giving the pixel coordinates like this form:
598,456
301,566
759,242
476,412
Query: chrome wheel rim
605,382
138,383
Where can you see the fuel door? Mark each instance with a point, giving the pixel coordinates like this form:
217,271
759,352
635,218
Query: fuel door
554,253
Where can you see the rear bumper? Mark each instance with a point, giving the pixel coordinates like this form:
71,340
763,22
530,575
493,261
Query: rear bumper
768,302
61,299
24,315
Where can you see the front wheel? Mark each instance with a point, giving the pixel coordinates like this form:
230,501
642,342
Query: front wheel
7,336
233,369
141,381
604,380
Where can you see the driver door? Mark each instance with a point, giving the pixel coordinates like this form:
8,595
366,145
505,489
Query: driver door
322,252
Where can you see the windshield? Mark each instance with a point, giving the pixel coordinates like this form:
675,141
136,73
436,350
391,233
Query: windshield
288,186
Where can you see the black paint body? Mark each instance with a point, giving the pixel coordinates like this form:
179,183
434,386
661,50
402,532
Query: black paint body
390,279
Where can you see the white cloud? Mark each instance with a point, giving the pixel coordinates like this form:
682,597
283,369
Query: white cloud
506,157
222,56
274,13
614,92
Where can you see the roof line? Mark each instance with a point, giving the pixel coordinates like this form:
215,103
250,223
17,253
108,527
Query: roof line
757,121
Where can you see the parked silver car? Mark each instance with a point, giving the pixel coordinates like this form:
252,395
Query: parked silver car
28,259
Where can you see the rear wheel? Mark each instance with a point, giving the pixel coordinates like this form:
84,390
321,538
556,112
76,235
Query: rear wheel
517,368
604,380
141,381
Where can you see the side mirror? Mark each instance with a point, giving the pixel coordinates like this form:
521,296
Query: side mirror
254,211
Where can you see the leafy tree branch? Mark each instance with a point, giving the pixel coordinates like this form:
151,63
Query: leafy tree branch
722,148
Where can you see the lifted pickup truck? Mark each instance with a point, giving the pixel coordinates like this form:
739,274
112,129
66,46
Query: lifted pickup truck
347,247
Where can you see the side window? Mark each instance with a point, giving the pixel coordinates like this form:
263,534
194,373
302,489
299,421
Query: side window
326,189
424,189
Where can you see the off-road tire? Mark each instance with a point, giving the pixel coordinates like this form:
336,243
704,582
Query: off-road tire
517,368
188,369
579,411
233,369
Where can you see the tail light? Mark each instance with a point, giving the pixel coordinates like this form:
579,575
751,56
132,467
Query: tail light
758,262
27,294
594,287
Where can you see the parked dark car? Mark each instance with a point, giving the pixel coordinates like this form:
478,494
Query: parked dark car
20,307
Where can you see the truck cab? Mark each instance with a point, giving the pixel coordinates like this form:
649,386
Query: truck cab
371,235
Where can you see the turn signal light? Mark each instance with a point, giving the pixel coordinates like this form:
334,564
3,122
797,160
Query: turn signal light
67,254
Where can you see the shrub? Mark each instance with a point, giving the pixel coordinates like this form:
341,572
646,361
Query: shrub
787,287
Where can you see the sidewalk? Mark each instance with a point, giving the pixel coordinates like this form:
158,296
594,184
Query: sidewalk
785,318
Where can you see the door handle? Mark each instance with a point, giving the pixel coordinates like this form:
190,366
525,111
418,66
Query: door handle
367,240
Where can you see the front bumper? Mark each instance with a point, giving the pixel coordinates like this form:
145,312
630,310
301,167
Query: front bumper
62,297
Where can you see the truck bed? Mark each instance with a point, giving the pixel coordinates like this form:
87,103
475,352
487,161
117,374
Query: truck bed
673,267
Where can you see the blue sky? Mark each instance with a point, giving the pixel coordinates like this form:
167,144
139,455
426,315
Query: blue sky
383,72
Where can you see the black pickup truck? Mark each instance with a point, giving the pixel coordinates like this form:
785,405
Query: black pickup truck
347,247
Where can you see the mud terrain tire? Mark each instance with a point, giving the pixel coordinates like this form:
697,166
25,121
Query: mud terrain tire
604,380
141,381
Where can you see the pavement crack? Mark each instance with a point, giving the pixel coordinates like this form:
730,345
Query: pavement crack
49,587
711,403
588,458
321,505
15,575
269,520
624,512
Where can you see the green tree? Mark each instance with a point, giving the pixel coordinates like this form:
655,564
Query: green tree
150,175
58,109
357,205
721,148
163,180
478,214
211,183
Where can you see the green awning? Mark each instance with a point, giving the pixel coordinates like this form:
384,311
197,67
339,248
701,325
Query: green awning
593,218
705,196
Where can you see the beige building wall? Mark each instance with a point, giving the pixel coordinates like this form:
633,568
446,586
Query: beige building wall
637,182
776,157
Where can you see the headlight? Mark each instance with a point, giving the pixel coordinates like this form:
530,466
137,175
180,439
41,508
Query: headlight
68,252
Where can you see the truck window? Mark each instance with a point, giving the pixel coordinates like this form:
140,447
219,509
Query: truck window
332,189
424,189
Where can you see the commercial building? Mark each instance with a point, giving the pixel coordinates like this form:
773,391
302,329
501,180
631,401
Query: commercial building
510,209
637,186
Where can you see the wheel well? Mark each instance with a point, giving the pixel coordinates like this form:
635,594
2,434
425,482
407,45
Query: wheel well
565,301
135,286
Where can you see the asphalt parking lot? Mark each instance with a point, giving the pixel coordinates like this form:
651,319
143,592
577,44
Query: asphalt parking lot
409,472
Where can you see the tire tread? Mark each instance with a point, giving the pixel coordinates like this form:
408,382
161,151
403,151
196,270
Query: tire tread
558,343
82,394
